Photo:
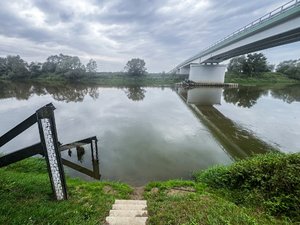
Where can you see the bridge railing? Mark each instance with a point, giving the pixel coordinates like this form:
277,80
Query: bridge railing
264,18
276,12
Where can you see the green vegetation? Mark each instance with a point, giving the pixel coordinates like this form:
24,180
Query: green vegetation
136,67
290,68
25,195
251,65
263,78
254,69
262,190
122,79
270,182
63,66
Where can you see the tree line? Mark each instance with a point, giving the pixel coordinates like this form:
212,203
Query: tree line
70,67
255,64
65,66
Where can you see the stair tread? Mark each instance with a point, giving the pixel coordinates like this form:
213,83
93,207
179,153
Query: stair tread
111,220
135,202
127,213
128,207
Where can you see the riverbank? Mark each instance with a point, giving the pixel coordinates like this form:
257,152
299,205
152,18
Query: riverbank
262,190
25,195
263,79
124,80
110,79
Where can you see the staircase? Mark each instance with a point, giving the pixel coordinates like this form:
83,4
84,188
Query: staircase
128,212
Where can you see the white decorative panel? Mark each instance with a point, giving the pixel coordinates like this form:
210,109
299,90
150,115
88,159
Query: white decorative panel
52,157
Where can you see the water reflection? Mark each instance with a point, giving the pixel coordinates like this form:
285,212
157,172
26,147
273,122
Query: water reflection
135,93
237,141
244,96
288,94
88,165
71,92
202,96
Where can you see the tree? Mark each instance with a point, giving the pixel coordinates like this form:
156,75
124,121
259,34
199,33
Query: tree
3,66
91,66
236,64
64,65
136,67
35,69
290,68
251,65
16,67
51,63
255,64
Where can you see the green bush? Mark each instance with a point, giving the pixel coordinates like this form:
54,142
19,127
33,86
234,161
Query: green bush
273,179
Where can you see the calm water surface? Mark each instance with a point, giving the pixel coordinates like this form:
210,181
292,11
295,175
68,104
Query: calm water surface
150,133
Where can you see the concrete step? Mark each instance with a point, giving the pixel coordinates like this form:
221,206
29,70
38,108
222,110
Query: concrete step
111,220
134,202
128,213
128,207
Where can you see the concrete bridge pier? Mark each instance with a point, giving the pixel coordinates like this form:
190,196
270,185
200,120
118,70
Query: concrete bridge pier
207,73
184,70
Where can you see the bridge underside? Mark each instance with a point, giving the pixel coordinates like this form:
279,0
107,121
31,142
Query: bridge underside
279,28
277,40
202,72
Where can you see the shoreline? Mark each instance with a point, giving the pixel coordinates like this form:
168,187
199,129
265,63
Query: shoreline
25,185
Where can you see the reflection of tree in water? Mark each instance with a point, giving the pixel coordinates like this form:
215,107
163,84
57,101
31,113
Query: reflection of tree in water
61,92
71,93
288,94
135,93
244,96
19,90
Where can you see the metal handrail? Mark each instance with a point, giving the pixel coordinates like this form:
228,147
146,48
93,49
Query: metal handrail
276,12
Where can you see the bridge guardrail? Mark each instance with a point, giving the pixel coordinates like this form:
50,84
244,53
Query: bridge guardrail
276,12
264,18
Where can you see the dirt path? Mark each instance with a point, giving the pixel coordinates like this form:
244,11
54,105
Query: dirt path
137,193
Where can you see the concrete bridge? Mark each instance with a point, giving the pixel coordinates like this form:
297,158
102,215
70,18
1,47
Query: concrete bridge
279,27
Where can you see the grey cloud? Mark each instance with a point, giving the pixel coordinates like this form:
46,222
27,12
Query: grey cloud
54,11
118,29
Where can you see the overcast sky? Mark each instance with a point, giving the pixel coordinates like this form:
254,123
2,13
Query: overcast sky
163,33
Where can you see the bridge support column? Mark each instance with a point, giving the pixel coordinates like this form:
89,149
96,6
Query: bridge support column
207,73
184,70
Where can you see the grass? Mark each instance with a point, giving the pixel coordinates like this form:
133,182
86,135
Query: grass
263,78
199,207
114,79
264,189
26,197
270,182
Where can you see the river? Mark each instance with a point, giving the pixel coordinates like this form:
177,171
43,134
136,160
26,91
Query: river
158,133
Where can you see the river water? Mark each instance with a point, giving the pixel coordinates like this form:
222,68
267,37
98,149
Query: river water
158,133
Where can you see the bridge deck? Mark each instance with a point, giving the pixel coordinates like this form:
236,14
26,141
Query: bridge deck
286,12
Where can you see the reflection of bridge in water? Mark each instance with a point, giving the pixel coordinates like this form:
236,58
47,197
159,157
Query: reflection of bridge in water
237,141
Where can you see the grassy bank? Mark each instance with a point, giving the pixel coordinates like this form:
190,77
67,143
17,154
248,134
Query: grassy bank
112,79
25,197
263,78
262,190
147,80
